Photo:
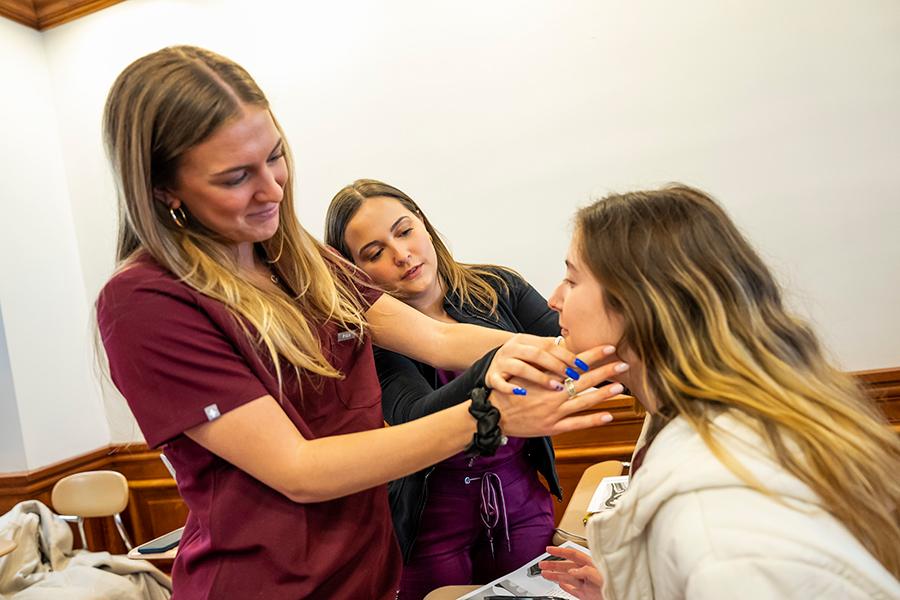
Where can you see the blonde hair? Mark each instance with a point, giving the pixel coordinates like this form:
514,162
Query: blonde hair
161,106
706,319
469,282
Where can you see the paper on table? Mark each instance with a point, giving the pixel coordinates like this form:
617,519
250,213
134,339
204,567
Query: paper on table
520,583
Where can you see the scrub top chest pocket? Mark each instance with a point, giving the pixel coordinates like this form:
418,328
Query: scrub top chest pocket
352,403
359,388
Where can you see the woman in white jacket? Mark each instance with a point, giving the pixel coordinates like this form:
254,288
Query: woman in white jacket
767,473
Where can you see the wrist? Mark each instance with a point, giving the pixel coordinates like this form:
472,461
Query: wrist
487,437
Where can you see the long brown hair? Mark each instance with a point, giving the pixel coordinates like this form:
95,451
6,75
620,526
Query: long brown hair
705,317
467,281
159,107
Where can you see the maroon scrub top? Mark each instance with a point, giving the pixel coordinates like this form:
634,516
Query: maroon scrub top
180,358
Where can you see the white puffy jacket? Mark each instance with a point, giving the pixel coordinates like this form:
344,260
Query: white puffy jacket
687,527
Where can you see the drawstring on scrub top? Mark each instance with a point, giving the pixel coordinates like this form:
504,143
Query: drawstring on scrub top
492,511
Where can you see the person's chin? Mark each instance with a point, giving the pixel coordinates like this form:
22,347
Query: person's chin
419,284
260,232
266,235
397,288
409,290
575,347
571,343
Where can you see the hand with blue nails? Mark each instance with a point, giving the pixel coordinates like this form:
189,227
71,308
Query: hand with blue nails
539,363
544,412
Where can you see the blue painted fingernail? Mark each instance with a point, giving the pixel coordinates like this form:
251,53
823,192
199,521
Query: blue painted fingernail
572,373
520,391
581,364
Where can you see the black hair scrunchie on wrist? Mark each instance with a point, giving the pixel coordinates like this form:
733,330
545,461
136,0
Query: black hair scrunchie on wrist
488,436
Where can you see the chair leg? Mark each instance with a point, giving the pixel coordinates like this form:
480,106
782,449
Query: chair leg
118,519
81,533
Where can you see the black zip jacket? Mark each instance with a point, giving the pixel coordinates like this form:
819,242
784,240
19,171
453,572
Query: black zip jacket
409,390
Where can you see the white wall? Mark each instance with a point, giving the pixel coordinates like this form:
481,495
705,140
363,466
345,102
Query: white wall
12,446
502,117
46,316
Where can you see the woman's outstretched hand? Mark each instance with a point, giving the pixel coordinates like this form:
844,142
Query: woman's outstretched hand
543,413
576,573
539,360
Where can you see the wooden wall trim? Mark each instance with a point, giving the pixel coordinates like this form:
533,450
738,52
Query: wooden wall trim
594,454
884,387
20,11
32,480
51,13
155,508
617,439
44,14
578,450
883,384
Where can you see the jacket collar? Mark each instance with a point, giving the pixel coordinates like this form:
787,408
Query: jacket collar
678,462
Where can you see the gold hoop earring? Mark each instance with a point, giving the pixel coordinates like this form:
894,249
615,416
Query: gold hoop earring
179,216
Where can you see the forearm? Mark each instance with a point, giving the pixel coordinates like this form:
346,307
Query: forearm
259,438
341,465
405,330
406,395
459,345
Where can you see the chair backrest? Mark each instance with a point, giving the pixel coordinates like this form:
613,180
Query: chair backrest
91,494
450,592
571,525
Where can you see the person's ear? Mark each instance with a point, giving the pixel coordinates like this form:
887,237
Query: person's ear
166,197
171,202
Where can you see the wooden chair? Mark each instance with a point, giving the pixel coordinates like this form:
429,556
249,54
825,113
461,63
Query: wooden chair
571,525
92,494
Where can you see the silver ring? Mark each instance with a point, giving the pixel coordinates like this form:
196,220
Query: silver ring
558,341
570,387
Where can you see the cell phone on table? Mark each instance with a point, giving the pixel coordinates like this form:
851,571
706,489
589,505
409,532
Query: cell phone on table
535,569
162,543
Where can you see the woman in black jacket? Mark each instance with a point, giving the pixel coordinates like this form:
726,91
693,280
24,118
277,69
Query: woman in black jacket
464,520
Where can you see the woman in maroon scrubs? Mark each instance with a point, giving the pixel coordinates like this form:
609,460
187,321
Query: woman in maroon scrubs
244,348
